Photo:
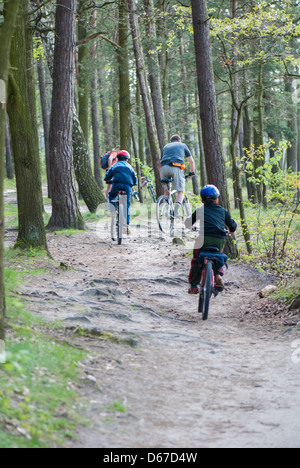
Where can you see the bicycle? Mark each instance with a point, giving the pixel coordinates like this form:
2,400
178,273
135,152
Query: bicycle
148,183
118,221
165,211
210,260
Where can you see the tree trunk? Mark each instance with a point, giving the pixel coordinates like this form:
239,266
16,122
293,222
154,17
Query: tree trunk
237,182
65,211
94,109
200,141
6,32
23,127
124,89
291,124
251,188
95,127
151,130
186,111
298,142
45,117
140,121
88,187
163,58
108,140
261,188
8,153
83,73
215,165
154,75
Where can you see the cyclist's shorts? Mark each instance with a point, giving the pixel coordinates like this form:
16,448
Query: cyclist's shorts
177,174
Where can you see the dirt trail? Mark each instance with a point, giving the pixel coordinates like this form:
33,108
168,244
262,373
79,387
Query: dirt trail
170,380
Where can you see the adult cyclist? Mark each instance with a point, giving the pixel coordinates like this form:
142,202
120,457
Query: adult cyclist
172,166
216,219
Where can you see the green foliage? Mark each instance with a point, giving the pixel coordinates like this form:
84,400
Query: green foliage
38,48
117,407
37,392
265,22
273,226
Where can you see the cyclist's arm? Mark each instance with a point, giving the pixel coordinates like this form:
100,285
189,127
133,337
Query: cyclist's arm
230,223
109,175
191,220
191,162
111,158
134,178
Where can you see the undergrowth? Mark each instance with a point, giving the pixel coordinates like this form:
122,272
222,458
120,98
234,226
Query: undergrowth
38,398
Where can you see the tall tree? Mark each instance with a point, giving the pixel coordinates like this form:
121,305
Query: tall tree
150,124
88,187
23,127
83,71
154,74
45,116
214,161
6,32
124,89
8,153
65,211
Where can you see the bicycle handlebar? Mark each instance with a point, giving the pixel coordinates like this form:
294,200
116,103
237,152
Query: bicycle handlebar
190,174
198,229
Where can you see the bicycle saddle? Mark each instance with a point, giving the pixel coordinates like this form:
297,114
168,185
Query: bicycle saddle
166,181
210,249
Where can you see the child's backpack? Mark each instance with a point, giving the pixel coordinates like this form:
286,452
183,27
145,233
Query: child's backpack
104,160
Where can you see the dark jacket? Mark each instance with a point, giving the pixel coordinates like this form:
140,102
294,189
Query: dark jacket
121,173
216,219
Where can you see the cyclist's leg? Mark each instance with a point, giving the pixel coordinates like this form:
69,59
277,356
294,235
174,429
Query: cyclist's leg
219,243
195,273
113,194
179,185
166,173
128,194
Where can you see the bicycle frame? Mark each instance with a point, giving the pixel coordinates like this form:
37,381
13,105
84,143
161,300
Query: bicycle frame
165,210
145,183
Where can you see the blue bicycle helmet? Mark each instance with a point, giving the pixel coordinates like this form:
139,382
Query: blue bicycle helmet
209,192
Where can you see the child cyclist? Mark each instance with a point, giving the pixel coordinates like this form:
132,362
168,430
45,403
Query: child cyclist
122,177
215,220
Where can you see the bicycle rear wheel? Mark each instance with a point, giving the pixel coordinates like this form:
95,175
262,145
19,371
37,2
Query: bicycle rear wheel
113,227
163,214
206,291
120,223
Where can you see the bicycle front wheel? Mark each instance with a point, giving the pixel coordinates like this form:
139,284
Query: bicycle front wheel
151,192
186,208
163,214
206,291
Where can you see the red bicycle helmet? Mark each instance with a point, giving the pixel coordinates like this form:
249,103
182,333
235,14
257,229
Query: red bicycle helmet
123,155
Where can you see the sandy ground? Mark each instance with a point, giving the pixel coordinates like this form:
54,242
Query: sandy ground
157,376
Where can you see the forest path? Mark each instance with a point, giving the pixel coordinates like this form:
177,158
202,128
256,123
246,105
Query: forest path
156,374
